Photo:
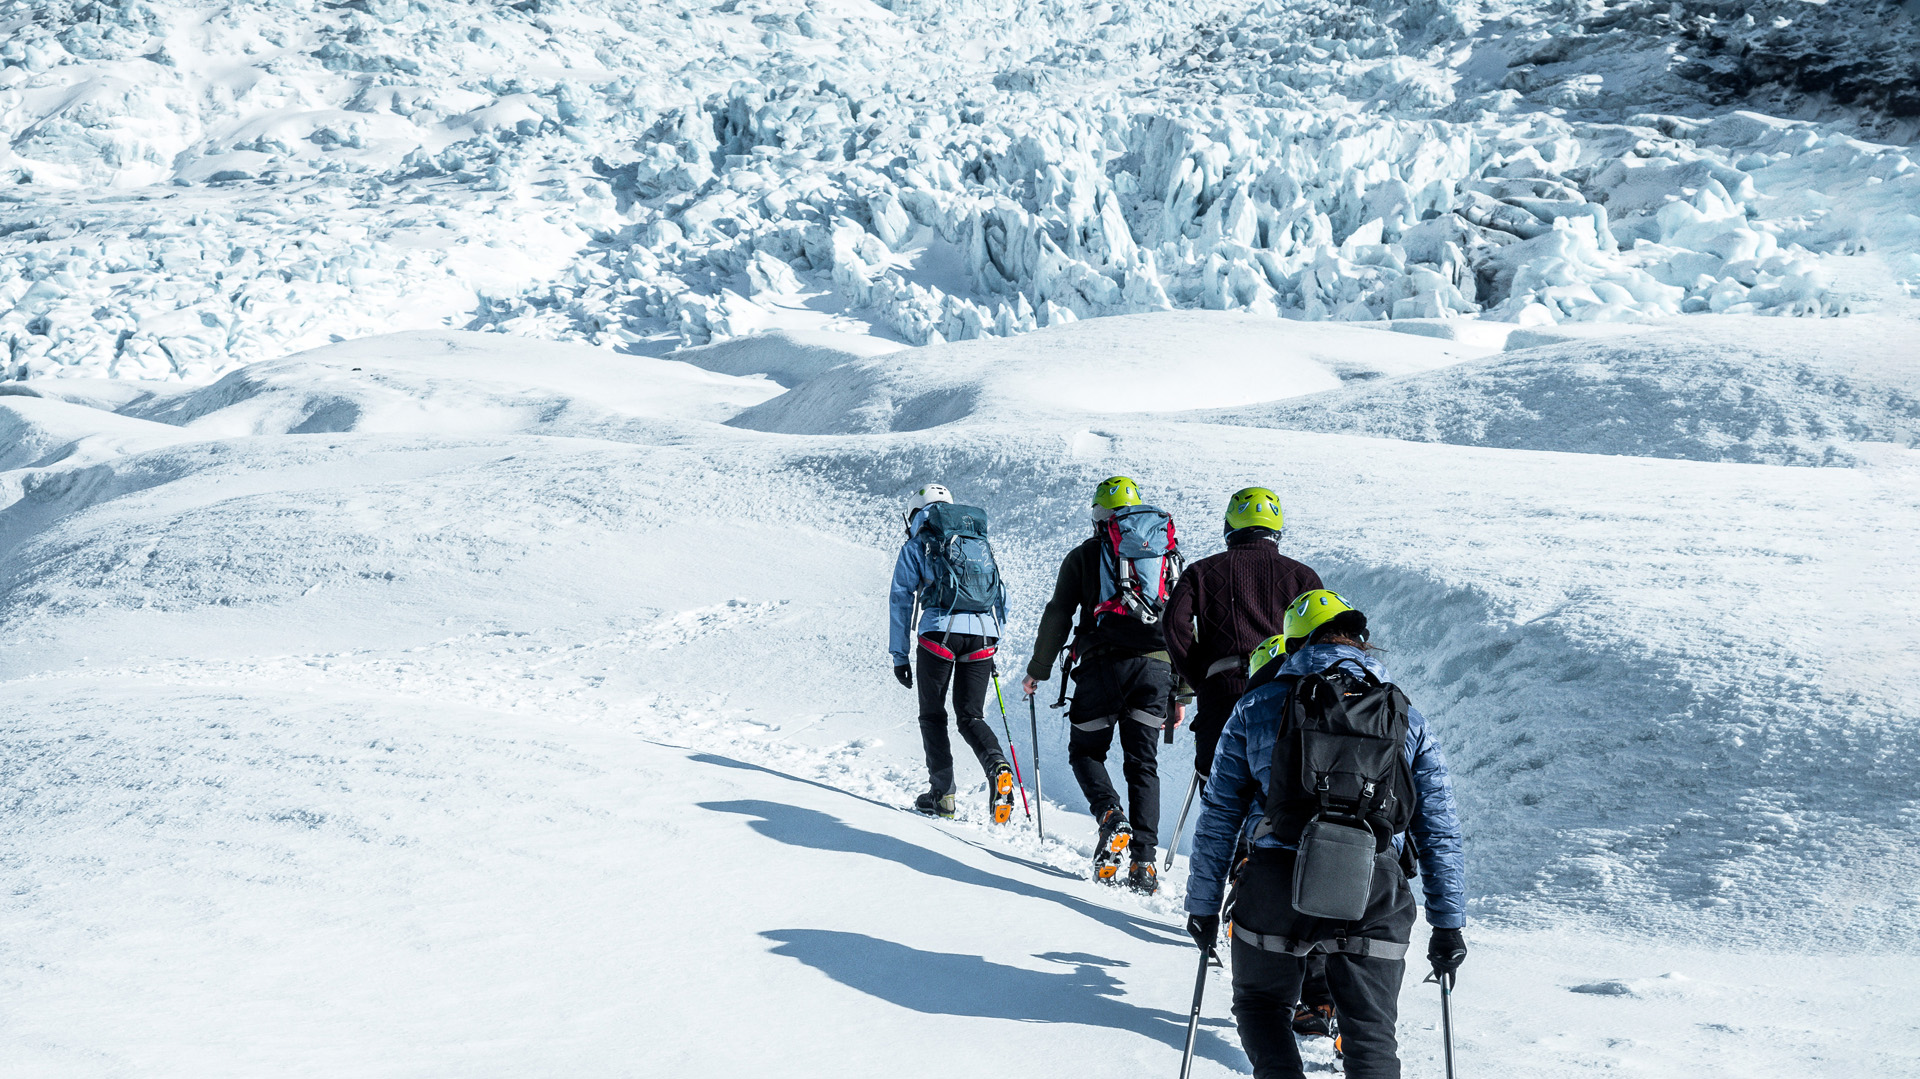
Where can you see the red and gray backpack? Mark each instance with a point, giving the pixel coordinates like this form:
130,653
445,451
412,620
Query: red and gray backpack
1139,562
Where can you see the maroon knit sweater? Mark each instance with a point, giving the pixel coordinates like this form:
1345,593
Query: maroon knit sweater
1226,604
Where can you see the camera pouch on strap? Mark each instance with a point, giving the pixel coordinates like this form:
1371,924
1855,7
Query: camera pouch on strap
1333,873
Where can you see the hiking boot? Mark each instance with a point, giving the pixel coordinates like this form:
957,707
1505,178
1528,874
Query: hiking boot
1000,792
1313,1020
1143,878
1115,836
935,805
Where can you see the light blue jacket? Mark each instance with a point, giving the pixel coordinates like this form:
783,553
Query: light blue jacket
911,573
1235,796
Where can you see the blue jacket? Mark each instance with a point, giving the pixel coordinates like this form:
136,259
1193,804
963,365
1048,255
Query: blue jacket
1235,796
910,575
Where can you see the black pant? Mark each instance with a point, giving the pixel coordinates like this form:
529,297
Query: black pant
1131,693
1313,991
1366,998
1213,703
970,682
1365,990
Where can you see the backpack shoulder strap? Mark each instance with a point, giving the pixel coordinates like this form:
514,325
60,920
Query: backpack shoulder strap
1275,765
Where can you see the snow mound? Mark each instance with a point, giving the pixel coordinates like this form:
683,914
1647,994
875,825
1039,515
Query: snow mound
452,383
37,433
788,357
1719,389
1125,364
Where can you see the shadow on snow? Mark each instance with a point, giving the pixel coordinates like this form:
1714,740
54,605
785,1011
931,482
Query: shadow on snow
943,983
811,828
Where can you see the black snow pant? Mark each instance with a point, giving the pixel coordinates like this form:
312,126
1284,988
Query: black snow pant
1366,997
969,681
1131,693
1213,702
1313,991
1365,989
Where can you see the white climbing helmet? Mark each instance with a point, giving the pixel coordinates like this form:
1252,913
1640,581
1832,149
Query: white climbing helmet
924,497
928,495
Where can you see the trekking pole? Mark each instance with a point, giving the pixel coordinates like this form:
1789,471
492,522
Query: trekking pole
1033,721
1193,1014
1446,1019
1006,729
1174,847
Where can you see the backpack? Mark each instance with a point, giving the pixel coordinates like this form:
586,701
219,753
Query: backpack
965,579
1139,563
1339,788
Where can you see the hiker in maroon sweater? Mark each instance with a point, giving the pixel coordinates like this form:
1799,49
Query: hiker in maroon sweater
1225,605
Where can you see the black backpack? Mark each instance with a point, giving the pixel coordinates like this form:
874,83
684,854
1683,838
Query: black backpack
1340,757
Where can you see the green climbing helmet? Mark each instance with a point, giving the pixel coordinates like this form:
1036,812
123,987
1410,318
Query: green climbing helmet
1313,611
1114,492
1254,507
1274,647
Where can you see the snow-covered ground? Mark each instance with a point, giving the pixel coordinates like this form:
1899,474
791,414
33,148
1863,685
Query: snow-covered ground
448,703
451,454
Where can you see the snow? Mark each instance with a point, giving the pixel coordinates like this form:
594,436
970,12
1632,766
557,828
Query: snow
1123,364
507,706
1716,388
198,185
450,460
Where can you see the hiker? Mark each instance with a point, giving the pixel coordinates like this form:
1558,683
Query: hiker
1223,607
1119,580
945,572
1328,773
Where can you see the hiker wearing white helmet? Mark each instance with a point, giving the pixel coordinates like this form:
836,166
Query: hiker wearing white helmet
945,572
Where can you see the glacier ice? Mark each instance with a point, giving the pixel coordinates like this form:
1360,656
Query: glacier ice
189,186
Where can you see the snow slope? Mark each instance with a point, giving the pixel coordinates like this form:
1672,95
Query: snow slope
1128,363
348,745
1712,389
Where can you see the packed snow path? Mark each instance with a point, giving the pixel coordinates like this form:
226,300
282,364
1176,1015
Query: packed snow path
466,703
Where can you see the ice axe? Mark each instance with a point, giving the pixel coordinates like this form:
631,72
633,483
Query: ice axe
1174,847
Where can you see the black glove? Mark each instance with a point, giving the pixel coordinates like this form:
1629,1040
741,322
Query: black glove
1446,951
1204,929
904,672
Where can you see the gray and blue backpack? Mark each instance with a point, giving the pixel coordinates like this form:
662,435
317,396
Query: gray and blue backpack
1139,563
960,560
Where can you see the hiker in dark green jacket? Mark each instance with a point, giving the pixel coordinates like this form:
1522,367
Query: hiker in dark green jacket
1118,581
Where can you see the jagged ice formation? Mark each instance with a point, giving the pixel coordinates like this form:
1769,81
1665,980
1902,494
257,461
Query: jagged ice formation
190,185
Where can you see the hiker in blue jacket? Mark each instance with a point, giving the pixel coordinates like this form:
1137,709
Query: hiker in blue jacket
953,646
1272,942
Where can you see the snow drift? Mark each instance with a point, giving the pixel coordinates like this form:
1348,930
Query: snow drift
1715,389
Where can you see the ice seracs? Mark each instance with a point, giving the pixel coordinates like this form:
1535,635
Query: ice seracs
195,185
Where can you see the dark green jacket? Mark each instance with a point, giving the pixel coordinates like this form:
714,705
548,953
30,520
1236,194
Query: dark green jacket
1077,589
